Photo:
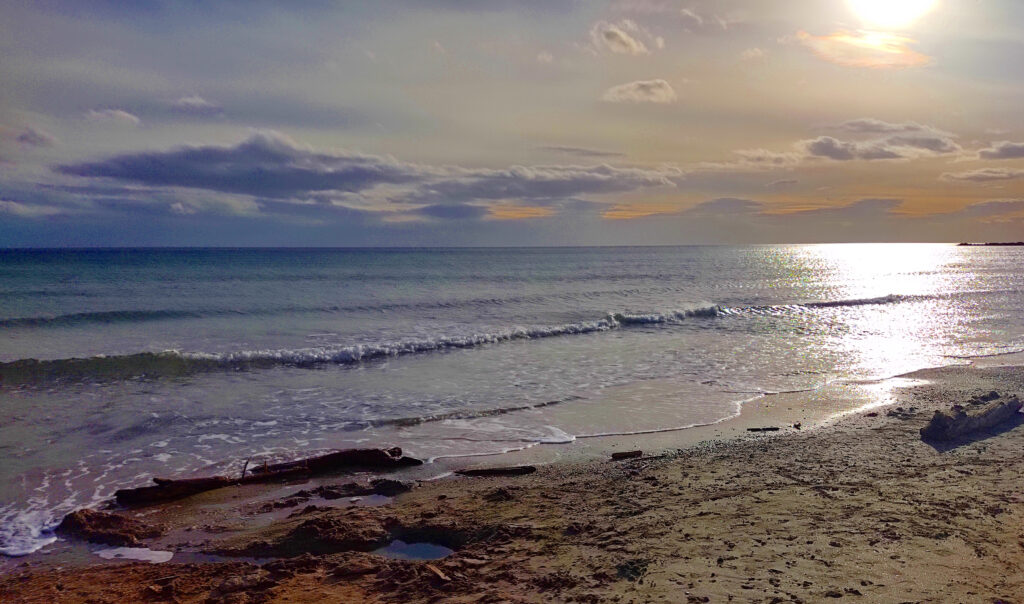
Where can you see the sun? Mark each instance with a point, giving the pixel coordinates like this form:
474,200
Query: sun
891,14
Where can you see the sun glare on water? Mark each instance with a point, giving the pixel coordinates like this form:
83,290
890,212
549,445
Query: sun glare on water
891,14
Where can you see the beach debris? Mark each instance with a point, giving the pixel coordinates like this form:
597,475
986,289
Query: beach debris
349,459
167,489
509,471
370,459
901,413
437,571
798,425
380,486
108,529
768,429
626,455
872,414
958,421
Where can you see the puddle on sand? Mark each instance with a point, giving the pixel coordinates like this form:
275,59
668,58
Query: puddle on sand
400,550
134,553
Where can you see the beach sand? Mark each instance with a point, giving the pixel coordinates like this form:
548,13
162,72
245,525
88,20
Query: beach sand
856,508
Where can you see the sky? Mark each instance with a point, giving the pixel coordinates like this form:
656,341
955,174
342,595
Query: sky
509,122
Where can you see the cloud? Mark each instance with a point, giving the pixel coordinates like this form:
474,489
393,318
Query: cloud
581,151
894,147
459,211
984,175
267,164
868,49
196,105
994,208
764,158
617,38
725,206
112,115
270,166
691,20
33,137
868,125
545,57
753,54
539,183
783,183
641,91
1003,150
23,210
516,212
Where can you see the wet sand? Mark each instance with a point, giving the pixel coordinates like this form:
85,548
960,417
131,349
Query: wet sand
853,506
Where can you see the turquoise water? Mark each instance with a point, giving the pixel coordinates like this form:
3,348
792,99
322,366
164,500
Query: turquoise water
175,362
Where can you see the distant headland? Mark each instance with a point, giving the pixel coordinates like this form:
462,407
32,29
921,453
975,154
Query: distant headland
1008,243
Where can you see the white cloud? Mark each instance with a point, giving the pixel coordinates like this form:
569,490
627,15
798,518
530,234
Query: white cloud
196,105
641,91
27,211
112,115
753,54
984,175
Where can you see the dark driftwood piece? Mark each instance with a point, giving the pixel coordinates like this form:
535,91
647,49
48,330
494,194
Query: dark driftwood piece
349,459
959,422
370,459
626,455
512,471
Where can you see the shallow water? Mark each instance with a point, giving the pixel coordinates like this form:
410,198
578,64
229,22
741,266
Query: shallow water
180,362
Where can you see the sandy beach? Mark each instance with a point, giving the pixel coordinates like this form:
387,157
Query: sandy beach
855,507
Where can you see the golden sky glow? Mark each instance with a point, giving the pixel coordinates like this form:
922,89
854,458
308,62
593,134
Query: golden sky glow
891,14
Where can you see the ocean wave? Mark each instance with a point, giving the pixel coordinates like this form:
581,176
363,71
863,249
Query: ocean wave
176,363
173,363
145,315
106,316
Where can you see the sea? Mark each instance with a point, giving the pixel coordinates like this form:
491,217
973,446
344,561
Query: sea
120,364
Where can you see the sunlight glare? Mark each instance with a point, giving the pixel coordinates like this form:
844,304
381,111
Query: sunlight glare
892,14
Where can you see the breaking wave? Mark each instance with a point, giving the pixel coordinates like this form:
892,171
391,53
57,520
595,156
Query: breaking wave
176,363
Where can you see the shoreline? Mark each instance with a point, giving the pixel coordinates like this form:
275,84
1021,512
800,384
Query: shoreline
568,530
810,409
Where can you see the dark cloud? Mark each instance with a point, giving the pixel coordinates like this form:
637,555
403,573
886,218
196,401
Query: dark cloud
269,165
901,146
987,209
33,137
835,149
618,37
1003,150
782,183
538,183
459,211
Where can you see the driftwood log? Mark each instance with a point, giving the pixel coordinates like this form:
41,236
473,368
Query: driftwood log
510,471
960,422
167,489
